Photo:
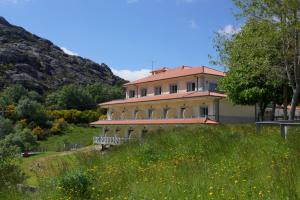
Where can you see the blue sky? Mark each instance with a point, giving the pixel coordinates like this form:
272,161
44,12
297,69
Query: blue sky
128,34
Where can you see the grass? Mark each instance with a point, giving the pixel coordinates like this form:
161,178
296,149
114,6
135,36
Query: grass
203,162
73,135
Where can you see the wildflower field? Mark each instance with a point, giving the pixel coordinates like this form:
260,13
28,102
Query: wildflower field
199,162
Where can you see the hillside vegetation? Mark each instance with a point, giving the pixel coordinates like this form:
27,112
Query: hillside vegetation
201,162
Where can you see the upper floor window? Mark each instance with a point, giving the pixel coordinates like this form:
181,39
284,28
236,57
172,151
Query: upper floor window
173,88
213,86
143,92
131,93
157,90
191,86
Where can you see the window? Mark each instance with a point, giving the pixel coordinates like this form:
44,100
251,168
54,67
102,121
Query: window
150,113
131,93
143,92
157,90
173,88
135,114
182,112
203,111
165,113
191,86
213,86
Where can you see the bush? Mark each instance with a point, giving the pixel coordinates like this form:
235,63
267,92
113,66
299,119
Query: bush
10,171
74,116
71,96
31,110
39,132
58,126
22,138
6,127
75,184
83,98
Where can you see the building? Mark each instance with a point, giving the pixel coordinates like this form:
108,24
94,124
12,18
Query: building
172,97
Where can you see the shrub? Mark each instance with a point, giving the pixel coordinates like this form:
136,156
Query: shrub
6,127
70,96
75,184
74,116
58,126
10,171
31,110
39,132
22,138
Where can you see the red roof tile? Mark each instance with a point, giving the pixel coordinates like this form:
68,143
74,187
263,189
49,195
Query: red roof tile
154,121
164,97
166,73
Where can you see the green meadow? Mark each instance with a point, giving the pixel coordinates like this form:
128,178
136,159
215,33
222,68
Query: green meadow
197,162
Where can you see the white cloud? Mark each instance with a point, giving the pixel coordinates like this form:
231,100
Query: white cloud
131,75
193,24
69,52
132,1
229,30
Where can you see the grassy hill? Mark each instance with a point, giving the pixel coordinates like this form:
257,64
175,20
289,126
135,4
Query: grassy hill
202,162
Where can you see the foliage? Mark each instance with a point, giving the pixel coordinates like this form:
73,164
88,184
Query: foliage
285,16
82,136
31,110
58,126
6,127
75,184
10,171
75,116
201,162
14,93
22,138
39,132
102,92
253,59
71,96
82,98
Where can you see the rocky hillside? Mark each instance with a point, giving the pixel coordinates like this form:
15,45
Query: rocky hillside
38,64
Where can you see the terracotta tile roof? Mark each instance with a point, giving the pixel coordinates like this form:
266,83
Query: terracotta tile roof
154,121
164,97
167,73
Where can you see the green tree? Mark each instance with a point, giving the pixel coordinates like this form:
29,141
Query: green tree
14,93
285,15
6,127
71,96
22,138
253,59
31,110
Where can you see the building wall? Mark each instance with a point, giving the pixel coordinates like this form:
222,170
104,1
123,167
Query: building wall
203,84
192,109
229,113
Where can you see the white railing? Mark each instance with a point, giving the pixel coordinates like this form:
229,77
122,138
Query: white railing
104,140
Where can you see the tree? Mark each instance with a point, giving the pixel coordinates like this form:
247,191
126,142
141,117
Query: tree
22,138
71,96
252,58
6,127
31,110
285,15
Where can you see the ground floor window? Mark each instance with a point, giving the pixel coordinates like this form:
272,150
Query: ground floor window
128,134
165,113
204,111
150,114
182,112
